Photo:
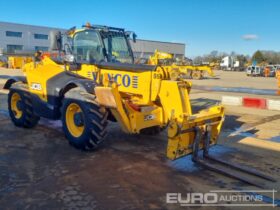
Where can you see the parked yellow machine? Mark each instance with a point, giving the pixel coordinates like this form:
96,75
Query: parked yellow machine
3,61
3,64
97,81
179,68
17,62
215,65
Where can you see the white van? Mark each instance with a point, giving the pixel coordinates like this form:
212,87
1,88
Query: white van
254,71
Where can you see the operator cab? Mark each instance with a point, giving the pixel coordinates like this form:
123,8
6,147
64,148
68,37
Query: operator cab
96,44
104,46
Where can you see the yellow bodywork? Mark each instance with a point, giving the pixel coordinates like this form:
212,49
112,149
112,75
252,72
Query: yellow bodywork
181,70
38,74
277,75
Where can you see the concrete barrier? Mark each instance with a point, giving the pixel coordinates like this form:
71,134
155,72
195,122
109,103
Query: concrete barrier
232,100
259,103
273,104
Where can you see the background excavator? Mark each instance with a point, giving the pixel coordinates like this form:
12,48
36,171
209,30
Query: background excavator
178,67
15,60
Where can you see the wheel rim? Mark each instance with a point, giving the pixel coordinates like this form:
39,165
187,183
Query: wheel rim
15,105
196,75
72,111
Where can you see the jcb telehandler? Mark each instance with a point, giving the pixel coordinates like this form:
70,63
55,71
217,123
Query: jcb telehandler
95,80
179,69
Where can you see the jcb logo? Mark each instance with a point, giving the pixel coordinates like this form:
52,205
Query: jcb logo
36,86
122,80
149,117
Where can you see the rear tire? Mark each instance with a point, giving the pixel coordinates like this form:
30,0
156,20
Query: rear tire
20,106
84,122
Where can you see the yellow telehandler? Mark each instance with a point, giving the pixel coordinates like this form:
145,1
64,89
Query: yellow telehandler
94,80
179,68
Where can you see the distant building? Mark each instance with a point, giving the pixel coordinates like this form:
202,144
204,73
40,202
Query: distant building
22,38
145,48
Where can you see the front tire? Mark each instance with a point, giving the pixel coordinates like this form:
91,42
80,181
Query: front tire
84,121
20,106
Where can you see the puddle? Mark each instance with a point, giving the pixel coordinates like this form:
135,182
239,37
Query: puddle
4,112
275,139
237,90
247,134
183,164
220,150
5,76
187,165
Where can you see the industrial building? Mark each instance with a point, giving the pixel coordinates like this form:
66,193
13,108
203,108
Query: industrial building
145,48
22,38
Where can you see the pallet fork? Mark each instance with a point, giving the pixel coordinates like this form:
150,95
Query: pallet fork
211,164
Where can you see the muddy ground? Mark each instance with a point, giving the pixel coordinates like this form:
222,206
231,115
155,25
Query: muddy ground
40,170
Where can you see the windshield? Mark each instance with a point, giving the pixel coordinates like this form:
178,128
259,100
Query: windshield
117,47
87,47
166,61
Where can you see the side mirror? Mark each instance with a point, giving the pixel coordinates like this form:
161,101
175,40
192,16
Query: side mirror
55,40
134,36
69,58
129,34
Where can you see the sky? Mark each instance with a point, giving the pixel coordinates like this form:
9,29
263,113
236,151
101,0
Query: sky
242,26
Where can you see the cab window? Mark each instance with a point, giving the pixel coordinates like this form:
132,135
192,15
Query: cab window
87,47
117,48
